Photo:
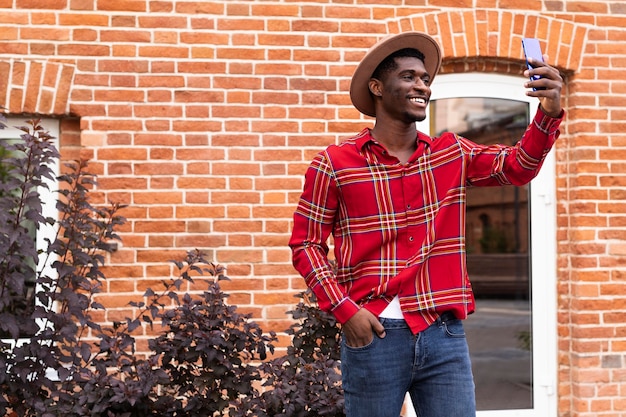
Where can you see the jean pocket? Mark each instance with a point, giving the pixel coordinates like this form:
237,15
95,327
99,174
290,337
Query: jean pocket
454,328
360,348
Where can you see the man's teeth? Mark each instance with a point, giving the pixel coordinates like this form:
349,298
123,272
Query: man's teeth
418,100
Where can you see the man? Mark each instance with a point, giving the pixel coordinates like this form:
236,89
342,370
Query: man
393,200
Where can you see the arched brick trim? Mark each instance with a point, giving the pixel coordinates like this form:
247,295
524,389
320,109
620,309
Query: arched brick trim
36,87
474,33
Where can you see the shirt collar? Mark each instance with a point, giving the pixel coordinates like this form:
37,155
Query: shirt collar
365,137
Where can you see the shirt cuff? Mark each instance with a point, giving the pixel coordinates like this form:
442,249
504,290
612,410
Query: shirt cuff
345,310
548,125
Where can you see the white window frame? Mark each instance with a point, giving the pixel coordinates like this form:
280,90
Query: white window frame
48,195
543,240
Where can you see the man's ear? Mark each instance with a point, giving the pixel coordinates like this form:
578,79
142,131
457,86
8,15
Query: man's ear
376,87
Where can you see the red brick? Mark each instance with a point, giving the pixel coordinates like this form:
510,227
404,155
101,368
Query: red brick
199,241
199,212
227,256
9,34
40,4
117,183
201,183
238,196
117,154
200,7
167,21
157,197
122,5
163,51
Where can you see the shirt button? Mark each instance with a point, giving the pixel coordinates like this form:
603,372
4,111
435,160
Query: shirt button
410,238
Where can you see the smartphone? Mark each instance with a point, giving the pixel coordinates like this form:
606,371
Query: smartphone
532,49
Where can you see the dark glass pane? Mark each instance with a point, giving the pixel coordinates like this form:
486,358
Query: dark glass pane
498,257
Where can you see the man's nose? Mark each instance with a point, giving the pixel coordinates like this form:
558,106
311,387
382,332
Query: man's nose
421,85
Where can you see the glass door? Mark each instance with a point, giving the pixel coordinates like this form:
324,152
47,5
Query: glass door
511,252
498,256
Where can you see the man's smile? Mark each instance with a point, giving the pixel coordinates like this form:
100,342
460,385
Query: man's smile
418,100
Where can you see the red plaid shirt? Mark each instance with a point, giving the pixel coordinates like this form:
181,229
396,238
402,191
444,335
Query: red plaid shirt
399,229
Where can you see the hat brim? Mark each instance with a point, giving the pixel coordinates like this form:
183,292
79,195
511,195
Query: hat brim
359,87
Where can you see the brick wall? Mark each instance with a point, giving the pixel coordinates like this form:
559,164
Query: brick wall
203,116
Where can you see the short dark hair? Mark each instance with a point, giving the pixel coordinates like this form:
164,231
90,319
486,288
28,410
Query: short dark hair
389,64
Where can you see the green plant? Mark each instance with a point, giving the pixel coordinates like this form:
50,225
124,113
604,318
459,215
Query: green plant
39,372
207,351
306,382
24,164
206,359
200,363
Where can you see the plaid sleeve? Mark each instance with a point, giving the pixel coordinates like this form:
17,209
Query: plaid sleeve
504,165
313,224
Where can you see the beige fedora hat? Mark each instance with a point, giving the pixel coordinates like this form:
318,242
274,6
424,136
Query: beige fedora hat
359,89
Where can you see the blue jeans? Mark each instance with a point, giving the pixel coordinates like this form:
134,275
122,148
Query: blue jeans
433,367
